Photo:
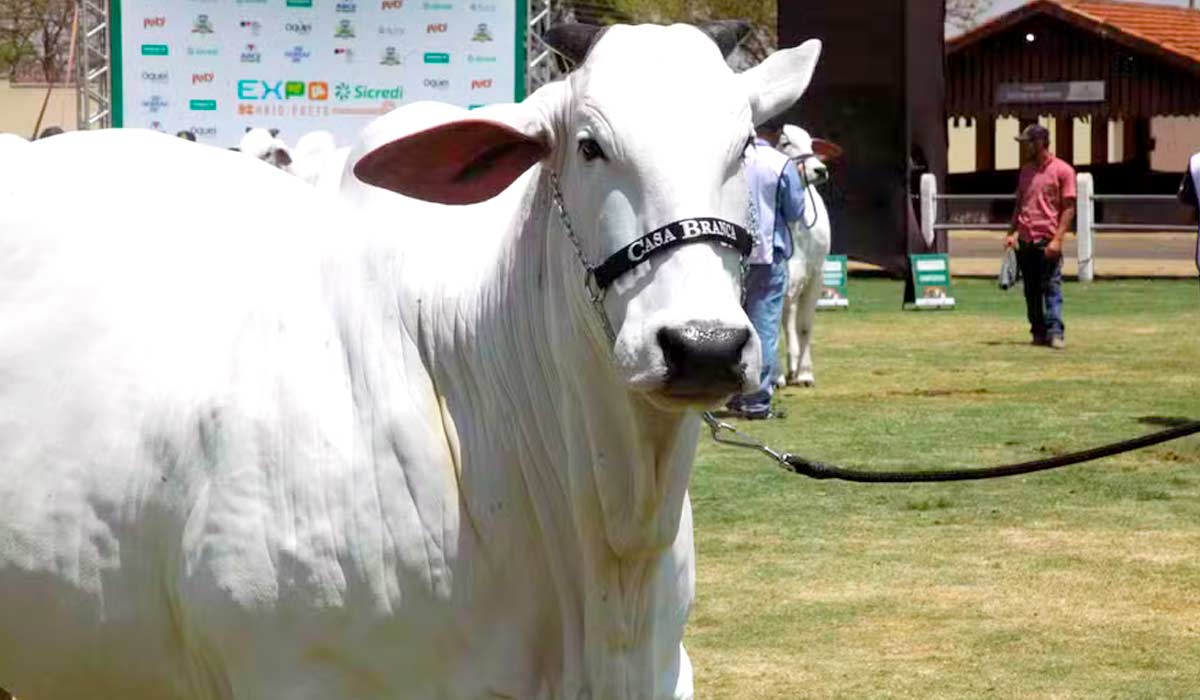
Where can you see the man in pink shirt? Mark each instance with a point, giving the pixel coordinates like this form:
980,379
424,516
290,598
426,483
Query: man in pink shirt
1045,209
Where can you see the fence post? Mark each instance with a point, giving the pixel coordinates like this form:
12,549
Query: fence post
929,209
1085,220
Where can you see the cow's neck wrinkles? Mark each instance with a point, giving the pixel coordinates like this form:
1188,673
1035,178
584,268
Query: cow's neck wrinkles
605,472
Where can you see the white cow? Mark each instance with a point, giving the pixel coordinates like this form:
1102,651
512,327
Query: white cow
265,145
253,448
811,238
311,155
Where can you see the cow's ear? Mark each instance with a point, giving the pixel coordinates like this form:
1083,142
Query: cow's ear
826,151
778,82
470,159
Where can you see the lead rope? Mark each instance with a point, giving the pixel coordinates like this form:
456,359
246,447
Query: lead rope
821,470
809,187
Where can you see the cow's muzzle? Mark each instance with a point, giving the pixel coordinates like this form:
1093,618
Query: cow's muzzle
704,360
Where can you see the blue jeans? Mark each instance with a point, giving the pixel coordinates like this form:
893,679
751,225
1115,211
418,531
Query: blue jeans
764,288
1043,290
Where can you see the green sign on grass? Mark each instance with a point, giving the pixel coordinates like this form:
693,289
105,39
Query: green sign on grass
833,283
931,281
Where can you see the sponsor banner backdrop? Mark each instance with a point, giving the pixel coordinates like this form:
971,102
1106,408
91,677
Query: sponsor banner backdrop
216,67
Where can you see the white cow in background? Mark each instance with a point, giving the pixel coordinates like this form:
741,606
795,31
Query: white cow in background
811,237
265,145
271,449
311,155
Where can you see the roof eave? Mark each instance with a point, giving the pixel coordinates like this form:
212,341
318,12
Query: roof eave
1082,20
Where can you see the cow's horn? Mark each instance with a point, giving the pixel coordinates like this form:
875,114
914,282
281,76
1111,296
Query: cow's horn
727,33
572,40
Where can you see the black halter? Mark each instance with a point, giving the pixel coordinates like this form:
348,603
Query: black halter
598,278
672,235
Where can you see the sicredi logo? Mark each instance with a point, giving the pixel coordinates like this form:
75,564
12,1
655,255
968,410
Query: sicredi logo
154,22
202,105
474,58
154,49
202,78
345,91
155,76
391,4
437,84
439,28
301,28
297,53
437,6
483,7
251,54
433,57
201,51
481,84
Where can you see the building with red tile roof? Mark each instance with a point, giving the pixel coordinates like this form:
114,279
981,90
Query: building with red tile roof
1100,60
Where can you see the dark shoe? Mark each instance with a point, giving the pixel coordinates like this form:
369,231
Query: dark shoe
1040,340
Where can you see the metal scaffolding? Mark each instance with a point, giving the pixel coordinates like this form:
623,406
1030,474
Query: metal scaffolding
542,65
93,80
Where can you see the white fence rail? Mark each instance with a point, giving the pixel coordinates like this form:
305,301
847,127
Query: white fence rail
1086,225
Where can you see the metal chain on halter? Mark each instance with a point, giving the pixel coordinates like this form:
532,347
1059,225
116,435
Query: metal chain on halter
595,293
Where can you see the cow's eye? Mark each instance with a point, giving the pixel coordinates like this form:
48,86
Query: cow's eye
590,149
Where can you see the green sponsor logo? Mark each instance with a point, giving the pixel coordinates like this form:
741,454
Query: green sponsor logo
299,3
293,88
432,57
346,91
202,105
154,49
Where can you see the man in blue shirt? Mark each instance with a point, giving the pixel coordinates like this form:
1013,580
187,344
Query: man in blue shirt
777,195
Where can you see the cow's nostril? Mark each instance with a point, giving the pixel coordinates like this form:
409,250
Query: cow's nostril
703,359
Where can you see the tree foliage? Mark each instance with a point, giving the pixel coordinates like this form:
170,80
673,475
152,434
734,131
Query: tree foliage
965,15
761,15
35,38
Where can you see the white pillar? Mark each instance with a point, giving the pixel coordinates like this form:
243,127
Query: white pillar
929,207
1085,219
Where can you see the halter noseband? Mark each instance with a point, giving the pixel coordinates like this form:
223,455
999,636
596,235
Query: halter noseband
598,278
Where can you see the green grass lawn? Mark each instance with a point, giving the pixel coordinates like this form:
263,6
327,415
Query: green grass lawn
1079,583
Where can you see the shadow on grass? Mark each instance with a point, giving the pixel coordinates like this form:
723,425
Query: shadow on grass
1164,421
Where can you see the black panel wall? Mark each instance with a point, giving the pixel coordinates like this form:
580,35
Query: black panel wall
878,92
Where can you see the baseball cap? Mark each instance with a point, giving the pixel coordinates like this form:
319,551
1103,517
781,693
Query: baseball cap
1035,132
